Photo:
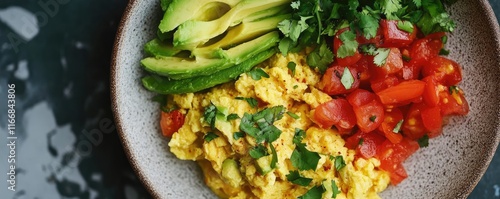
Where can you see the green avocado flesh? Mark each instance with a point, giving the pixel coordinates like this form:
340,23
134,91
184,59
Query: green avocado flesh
164,85
181,68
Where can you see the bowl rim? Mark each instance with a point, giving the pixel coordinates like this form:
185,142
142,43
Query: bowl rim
491,22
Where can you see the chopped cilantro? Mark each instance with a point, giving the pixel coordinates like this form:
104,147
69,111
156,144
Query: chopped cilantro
258,73
210,115
295,86
295,178
291,65
444,52
210,136
320,57
260,125
368,24
232,116
251,101
368,49
406,26
349,44
347,79
373,118
302,158
314,193
293,115
423,141
258,151
238,135
335,189
390,8
339,163
361,140
397,128
381,56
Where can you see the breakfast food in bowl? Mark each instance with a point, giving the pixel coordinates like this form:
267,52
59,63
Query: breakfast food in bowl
308,99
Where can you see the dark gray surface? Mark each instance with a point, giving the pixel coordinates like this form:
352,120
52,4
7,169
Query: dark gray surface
61,70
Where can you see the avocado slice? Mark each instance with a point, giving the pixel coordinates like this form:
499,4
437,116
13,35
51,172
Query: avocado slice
163,85
241,33
194,33
180,11
182,68
157,48
230,172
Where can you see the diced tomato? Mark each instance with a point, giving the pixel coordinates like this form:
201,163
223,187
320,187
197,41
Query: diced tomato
425,49
387,82
402,93
431,92
391,119
331,81
413,126
445,71
392,156
367,108
432,120
377,40
363,67
336,112
410,70
453,104
344,61
393,64
366,144
171,122
393,36
398,174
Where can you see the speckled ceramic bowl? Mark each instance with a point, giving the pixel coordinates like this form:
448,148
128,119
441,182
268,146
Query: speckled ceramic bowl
449,168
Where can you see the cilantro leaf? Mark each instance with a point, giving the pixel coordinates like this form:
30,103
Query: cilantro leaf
435,18
258,151
247,126
304,159
390,7
209,115
295,5
291,65
299,136
417,3
405,26
349,44
335,189
381,56
320,57
238,135
251,101
368,24
260,125
339,163
210,136
232,116
347,79
314,193
295,178
423,141
368,49
258,73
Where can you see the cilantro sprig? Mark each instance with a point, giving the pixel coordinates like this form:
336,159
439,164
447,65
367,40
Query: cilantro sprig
314,20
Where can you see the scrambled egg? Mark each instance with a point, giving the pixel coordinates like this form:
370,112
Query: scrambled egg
359,178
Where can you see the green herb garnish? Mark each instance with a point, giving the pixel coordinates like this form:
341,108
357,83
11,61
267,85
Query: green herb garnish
210,136
295,178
